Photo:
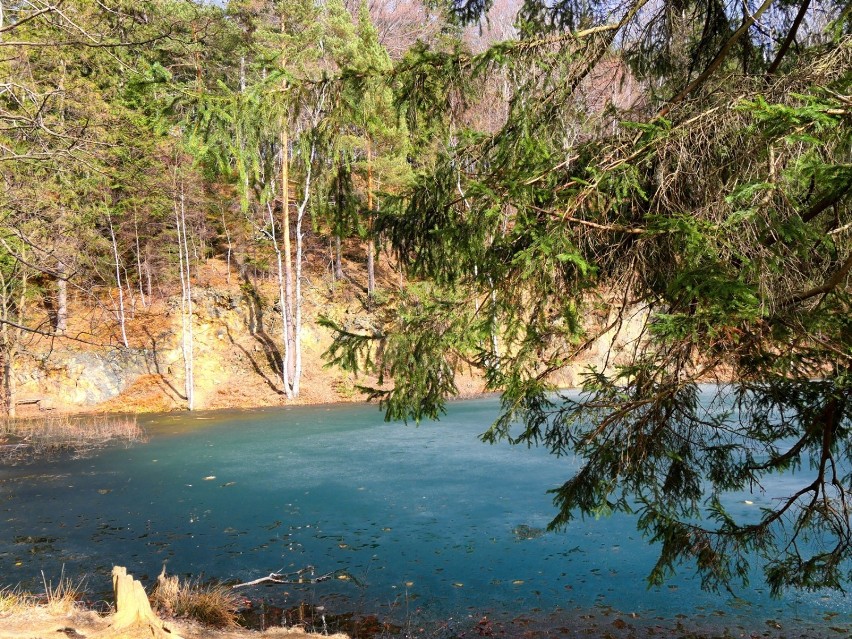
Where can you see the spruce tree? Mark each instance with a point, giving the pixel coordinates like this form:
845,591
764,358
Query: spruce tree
712,222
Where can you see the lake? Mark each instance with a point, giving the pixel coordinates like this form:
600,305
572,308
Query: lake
423,526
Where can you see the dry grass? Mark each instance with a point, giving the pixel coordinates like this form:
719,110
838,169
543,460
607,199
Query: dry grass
60,599
63,429
14,601
34,436
208,603
64,597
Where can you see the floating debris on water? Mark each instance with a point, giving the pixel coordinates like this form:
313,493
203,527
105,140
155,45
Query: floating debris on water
523,532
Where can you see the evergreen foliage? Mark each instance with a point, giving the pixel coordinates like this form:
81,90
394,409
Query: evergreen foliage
671,177
712,223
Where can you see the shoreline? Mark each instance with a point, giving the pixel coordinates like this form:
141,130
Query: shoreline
312,620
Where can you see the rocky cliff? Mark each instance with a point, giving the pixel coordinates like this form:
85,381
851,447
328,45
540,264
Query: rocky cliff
237,351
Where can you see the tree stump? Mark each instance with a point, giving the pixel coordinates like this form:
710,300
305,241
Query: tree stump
132,608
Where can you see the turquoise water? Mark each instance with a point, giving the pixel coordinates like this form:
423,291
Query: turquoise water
422,523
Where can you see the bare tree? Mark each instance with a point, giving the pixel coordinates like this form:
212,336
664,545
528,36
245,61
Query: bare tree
120,310
186,290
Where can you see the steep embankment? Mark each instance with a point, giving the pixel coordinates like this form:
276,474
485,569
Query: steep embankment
236,344
237,347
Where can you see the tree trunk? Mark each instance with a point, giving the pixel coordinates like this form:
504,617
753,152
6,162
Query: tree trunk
149,284
132,608
288,364
493,326
9,381
61,299
338,258
11,309
121,319
139,262
371,242
297,333
186,302
282,299
230,250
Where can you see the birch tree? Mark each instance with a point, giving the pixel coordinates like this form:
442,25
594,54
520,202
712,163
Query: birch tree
187,342
264,129
14,276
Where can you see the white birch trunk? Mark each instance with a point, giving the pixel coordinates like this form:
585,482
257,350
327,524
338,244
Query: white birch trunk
338,258
297,333
282,300
10,337
228,259
61,299
9,381
371,242
288,365
186,304
139,263
121,319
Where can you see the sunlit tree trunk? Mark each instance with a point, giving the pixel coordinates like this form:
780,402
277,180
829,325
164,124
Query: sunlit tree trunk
12,303
371,241
338,258
139,262
121,318
288,364
9,380
185,299
61,298
282,295
230,249
297,333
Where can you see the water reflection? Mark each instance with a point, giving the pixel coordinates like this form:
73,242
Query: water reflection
424,527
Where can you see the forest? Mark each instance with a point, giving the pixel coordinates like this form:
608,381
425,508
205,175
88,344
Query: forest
544,173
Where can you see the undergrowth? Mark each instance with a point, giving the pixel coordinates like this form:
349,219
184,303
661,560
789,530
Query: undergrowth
211,604
61,598
64,597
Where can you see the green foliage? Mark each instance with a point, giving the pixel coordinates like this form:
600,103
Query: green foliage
706,253
701,236
424,341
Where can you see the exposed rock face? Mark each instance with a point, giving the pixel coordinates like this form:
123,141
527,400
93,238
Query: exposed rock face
76,378
237,346
236,360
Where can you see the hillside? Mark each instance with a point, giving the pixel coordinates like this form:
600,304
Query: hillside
236,346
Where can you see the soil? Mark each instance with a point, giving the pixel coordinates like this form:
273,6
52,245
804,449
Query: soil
237,344
40,624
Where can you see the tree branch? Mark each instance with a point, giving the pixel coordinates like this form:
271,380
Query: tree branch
791,36
15,25
717,61
827,287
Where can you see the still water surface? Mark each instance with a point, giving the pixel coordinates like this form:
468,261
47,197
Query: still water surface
424,523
